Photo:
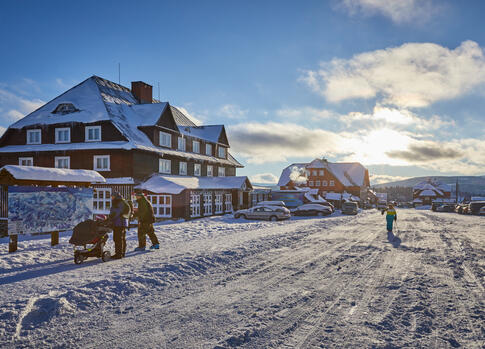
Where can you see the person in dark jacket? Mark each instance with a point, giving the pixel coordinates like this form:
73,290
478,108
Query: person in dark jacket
146,218
119,216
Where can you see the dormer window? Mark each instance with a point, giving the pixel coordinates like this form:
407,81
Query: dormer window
63,135
65,108
222,152
92,133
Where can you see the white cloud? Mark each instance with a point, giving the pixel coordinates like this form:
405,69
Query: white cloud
399,11
411,75
279,142
308,113
233,111
264,178
378,179
15,106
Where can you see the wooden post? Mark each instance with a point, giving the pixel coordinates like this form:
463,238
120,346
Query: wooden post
12,245
54,238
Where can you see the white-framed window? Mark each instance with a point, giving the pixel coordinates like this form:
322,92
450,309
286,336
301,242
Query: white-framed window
162,205
101,163
210,170
165,139
207,204
320,173
222,152
181,143
218,203
324,183
63,135
221,171
332,183
62,162
228,202
197,169
182,168
164,166
196,146
194,205
34,137
314,172
317,183
208,149
310,183
307,173
26,161
92,134
101,200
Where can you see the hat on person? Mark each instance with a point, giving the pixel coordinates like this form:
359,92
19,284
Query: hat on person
138,192
116,195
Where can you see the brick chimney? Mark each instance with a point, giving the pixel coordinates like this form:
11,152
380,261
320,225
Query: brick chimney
142,91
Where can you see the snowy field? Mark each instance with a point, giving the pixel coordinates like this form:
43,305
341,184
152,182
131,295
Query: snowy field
217,282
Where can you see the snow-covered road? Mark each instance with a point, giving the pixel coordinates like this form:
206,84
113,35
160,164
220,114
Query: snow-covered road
218,282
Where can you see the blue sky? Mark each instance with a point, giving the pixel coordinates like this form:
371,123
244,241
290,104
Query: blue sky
398,86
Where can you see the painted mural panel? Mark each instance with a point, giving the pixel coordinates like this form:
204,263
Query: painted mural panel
45,209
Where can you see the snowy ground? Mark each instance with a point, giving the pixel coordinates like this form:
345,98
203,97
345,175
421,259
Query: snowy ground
219,283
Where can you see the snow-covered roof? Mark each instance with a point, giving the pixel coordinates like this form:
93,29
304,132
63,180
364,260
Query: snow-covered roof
35,173
417,200
209,133
158,183
120,180
97,99
333,196
347,173
427,192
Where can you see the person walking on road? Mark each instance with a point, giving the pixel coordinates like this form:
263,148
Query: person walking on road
119,215
146,218
391,217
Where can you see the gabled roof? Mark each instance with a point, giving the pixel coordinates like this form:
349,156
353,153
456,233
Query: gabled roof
158,183
98,99
347,173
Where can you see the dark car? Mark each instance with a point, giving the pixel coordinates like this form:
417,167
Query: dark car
446,208
475,207
312,210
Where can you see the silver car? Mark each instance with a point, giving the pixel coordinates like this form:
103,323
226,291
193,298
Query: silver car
272,213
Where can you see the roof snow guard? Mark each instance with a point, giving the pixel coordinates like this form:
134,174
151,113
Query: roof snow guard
48,174
176,184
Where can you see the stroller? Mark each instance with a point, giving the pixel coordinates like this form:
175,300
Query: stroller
93,233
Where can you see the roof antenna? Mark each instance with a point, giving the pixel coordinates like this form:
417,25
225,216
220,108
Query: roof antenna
119,74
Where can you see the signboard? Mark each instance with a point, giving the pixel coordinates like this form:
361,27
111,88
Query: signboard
46,209
293,198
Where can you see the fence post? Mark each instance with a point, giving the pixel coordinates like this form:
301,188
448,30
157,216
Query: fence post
12,245
54,238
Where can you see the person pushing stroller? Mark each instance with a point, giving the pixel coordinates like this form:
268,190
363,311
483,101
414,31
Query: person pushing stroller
391,217
146,218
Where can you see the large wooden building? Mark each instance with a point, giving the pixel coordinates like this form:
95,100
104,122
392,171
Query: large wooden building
123,134
327,178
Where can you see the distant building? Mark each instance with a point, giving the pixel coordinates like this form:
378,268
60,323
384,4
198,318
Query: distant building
431,190
327,178
127,136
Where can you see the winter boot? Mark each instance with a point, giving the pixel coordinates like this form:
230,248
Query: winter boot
155,247
140,249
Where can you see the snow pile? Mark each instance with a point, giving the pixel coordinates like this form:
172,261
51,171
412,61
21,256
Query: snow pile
36,173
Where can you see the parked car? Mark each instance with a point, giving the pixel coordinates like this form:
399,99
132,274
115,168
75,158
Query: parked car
271,203
312,210
272,213
446,208
325,204
475,207
350,207
482,211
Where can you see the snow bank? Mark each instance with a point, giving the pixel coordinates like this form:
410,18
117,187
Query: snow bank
35,173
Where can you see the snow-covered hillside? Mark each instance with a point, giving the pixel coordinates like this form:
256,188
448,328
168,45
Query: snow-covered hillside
219,282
